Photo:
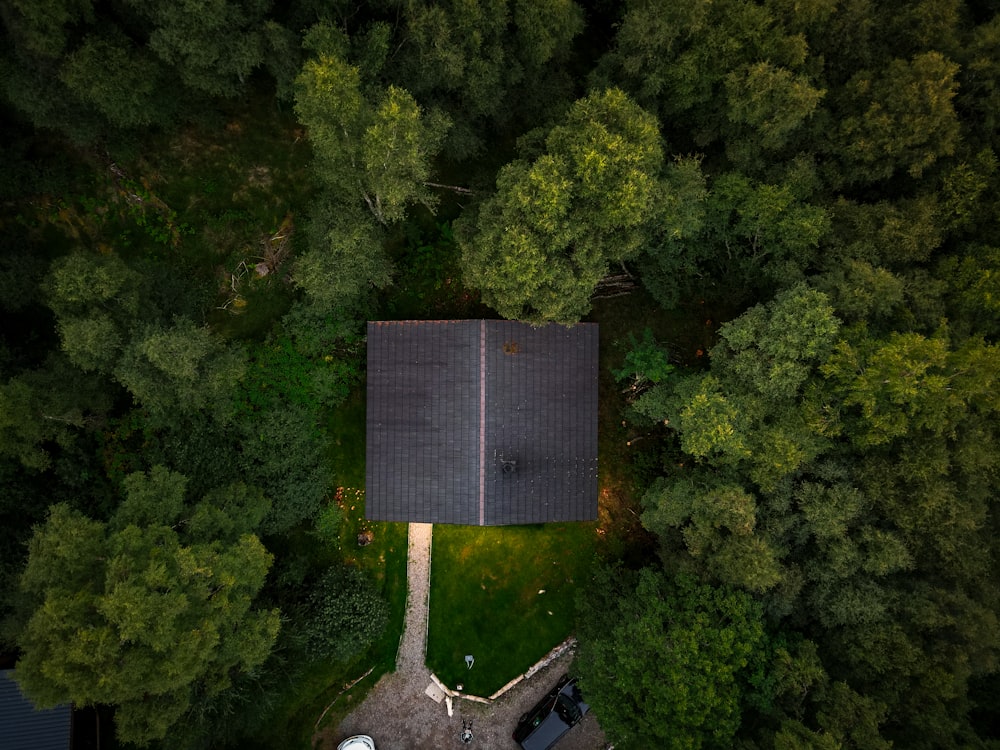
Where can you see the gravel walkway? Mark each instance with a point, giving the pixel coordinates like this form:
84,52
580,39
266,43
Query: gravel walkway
399,715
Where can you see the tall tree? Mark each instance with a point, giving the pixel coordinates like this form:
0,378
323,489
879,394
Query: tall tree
122,81
346,260
772,102
665,662
899,119
744,412
910,383
142,612
47,408
181,368
214,47
488,65
711,64
45,27
746,235
377,150
539,246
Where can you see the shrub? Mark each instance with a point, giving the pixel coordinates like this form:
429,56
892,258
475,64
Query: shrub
345,615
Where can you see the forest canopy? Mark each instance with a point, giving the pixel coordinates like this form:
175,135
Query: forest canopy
200,204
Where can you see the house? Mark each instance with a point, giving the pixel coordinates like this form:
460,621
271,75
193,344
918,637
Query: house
23,727
481,422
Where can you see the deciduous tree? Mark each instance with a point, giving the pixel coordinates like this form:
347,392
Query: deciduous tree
717,522
214,46
48,408
346,260
183,367
140,613
486,64
703,63
378,150
745,411
123,82
902,119
539,246
664,661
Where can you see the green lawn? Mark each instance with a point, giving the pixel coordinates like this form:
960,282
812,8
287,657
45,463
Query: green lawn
485,599
346,428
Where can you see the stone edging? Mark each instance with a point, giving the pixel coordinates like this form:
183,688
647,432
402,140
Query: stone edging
550,657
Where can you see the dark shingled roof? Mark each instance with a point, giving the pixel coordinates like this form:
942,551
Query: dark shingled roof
23,727
481,422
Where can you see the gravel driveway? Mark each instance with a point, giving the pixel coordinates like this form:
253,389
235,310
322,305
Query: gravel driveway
399,715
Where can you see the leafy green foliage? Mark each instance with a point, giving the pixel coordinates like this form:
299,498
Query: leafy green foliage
378,151
95,299
429,283
484,63
773,101
346,261
23,429
344,615
684,60
181,368
94,72
138,614
43,25
770,232
905,118
122,83
646,364
396,150
284,452
743,410
48,408
664,662
777,503
541,244
910,383
280,372
306,367
717,522
214,48
81,282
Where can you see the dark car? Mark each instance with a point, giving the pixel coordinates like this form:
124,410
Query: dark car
552,716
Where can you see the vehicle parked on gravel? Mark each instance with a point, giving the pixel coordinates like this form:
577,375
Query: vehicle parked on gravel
554,715
357,742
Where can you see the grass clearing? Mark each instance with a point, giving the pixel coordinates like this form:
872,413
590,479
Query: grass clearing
346,428
229,187
504,594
